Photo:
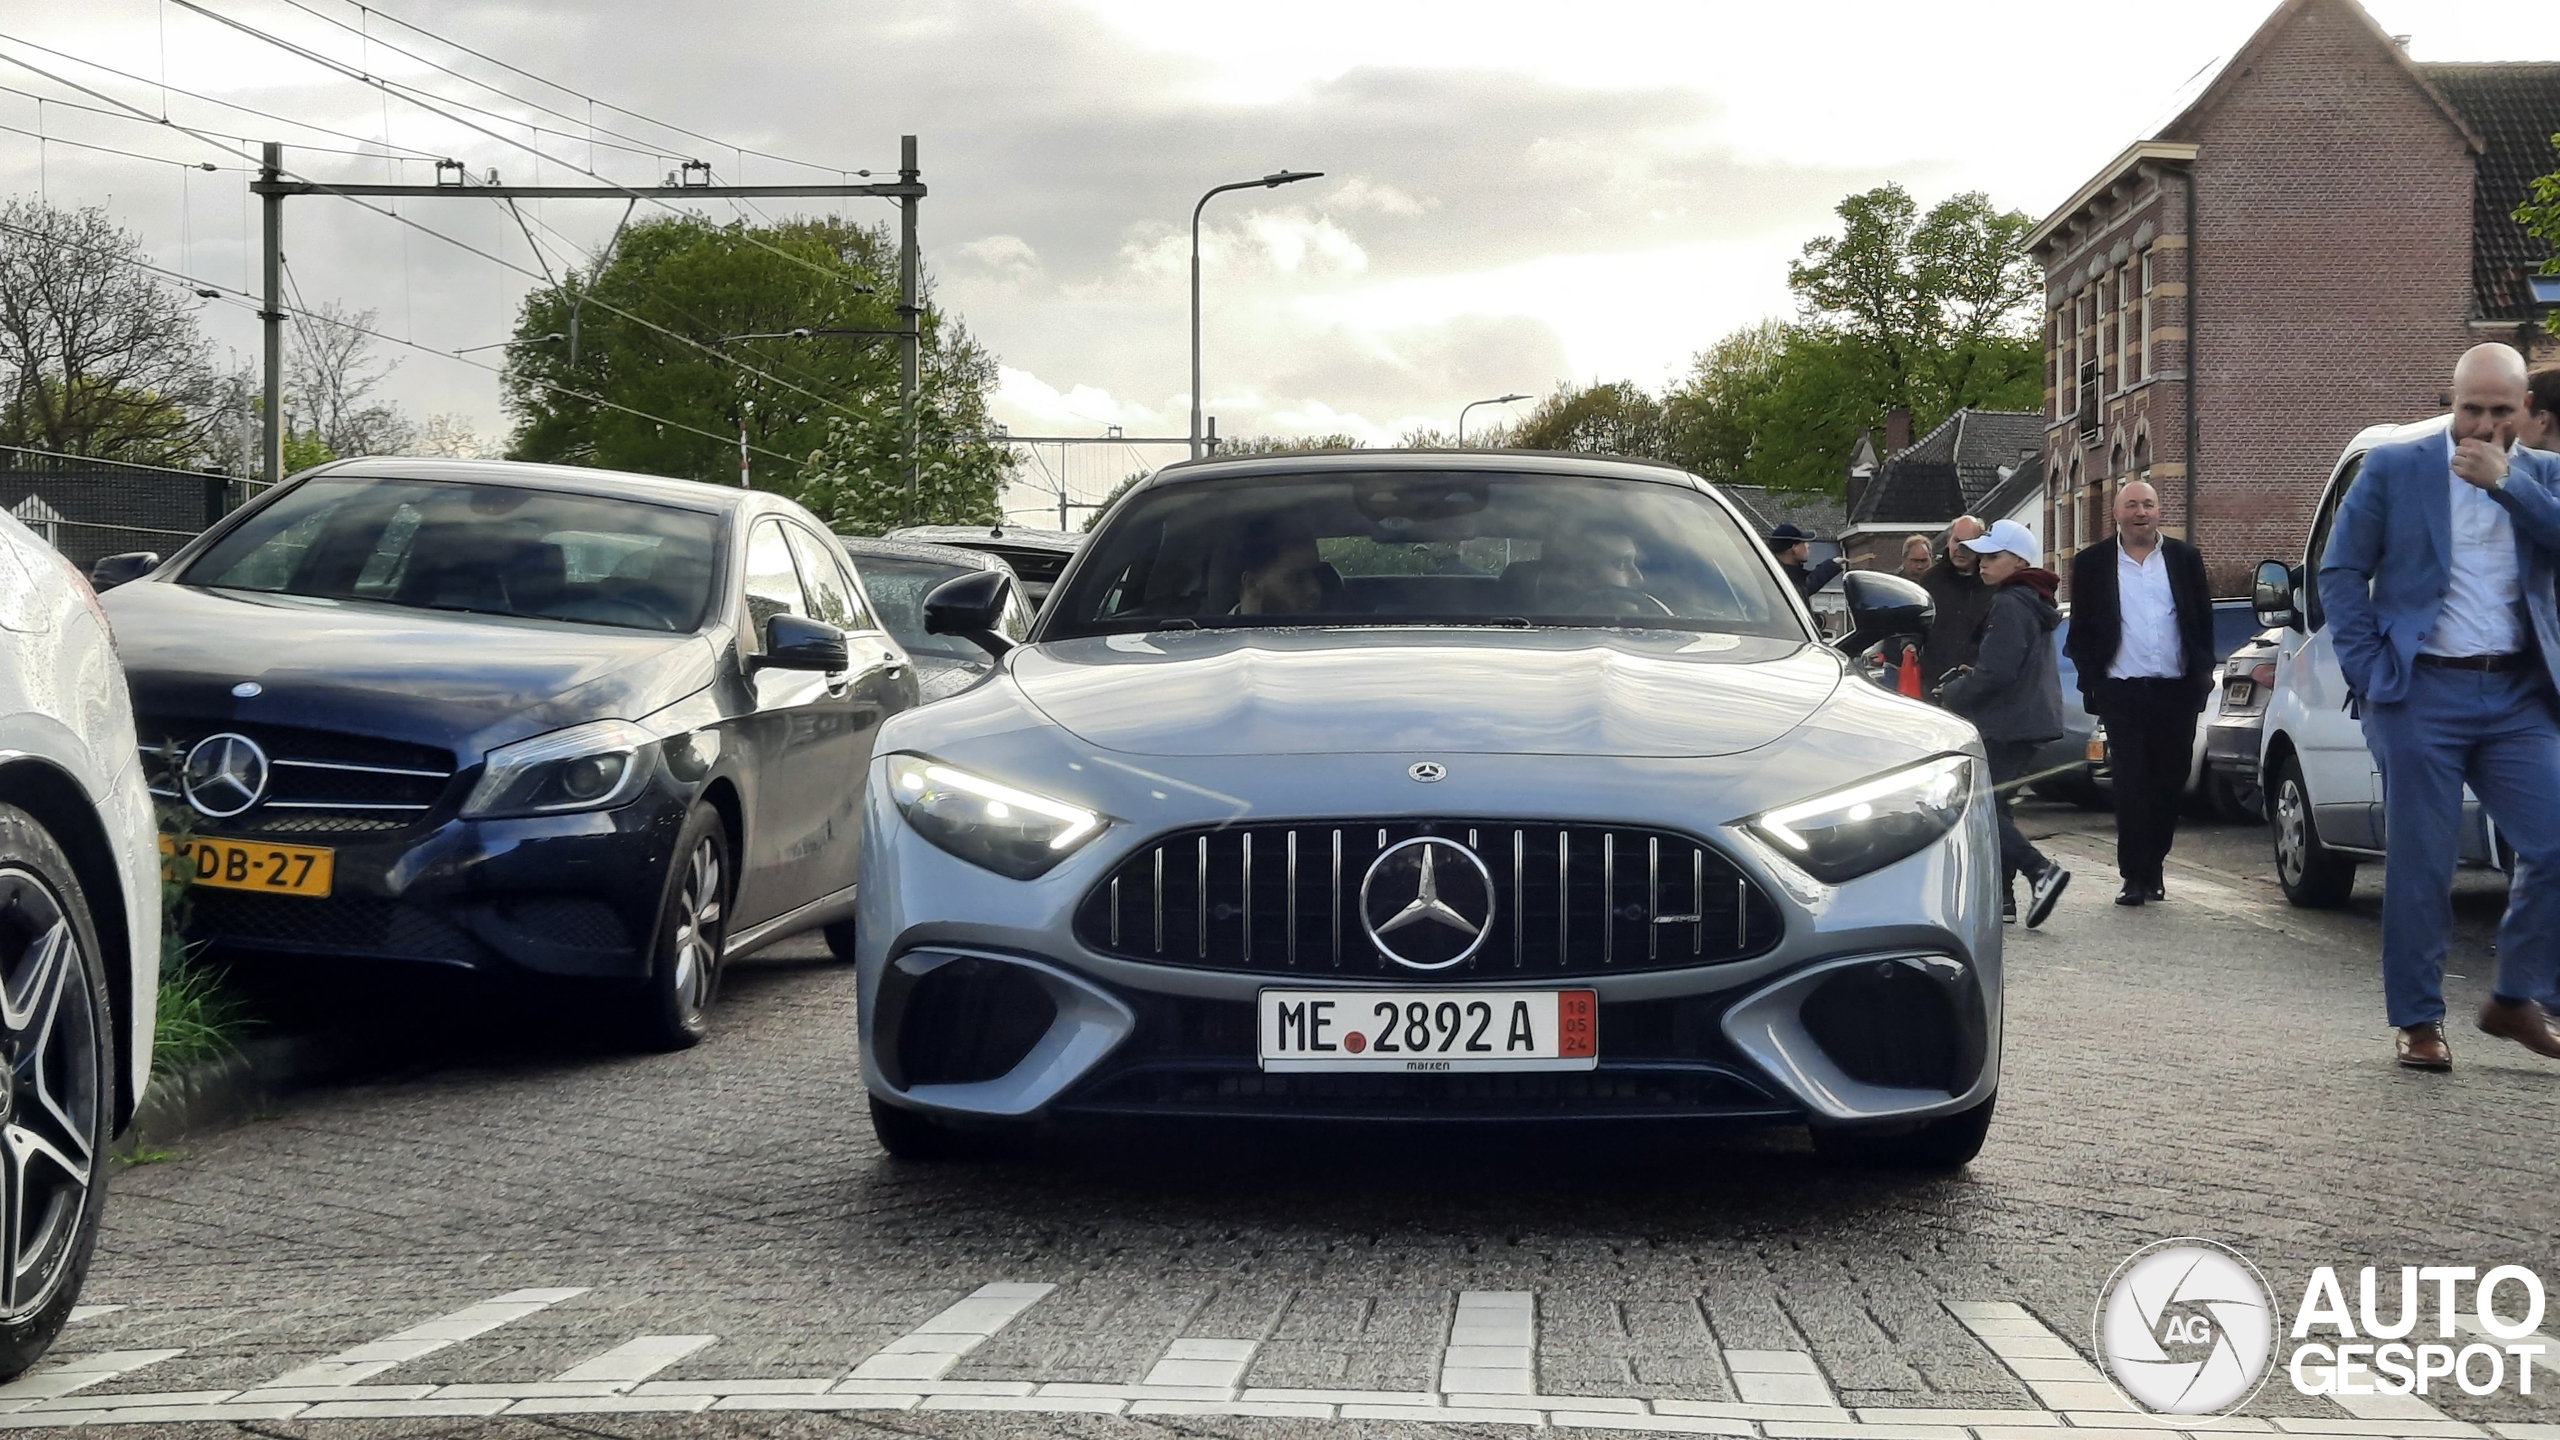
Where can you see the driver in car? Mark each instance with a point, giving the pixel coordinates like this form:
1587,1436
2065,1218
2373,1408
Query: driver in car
1594,567
1278,572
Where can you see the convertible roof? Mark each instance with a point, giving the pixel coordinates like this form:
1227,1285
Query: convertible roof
1525,462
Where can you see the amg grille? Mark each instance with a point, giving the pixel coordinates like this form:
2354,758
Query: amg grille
1566,901
319,782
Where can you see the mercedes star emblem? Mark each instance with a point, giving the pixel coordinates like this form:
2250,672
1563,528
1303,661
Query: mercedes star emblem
1427,903
224,775
1427,771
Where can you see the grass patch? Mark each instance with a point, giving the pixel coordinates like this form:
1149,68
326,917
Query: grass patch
200,1019
150,1155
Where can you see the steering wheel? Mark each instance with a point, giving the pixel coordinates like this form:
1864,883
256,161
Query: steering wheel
1601,599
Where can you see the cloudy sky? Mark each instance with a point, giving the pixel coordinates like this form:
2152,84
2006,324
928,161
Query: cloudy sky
1514,195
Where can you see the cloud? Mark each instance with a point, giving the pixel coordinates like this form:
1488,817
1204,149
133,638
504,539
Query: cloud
1008,257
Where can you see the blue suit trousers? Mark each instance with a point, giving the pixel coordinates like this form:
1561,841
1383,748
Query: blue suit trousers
2499,733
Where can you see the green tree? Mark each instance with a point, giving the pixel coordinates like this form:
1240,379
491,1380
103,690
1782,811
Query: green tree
1616,418
857,476
2539,214
1939,300
654,325
1776,404
1237,449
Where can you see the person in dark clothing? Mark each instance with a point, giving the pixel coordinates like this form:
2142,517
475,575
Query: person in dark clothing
2142,637
1794,548
2013,694
2538,428
1963,602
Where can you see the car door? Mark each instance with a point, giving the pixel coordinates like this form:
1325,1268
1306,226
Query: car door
2345,785
797,731
878,682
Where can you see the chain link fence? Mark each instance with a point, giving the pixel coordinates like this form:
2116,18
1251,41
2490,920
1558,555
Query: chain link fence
89,509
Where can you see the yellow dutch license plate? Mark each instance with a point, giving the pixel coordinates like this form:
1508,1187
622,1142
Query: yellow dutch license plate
304,870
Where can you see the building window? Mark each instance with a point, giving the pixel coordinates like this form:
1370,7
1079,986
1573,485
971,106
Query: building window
2146,313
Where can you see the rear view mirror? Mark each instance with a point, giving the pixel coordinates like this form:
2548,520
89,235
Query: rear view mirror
116,570
2273,597
1882,607
971,606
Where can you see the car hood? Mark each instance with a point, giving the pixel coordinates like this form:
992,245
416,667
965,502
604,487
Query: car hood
1299,692
465,683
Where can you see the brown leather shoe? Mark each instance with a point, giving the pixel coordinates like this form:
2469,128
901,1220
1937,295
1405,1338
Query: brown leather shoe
2524,1022
2422,1047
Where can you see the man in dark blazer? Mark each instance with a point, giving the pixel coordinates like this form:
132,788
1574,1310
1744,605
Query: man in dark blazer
2142,638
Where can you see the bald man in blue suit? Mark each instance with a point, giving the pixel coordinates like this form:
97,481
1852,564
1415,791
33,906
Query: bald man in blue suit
2439,585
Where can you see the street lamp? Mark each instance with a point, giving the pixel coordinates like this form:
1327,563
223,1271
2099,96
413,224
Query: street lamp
1272,181
1470,405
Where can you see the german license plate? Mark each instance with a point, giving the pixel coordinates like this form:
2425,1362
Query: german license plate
304,870
1429,1030
2238,692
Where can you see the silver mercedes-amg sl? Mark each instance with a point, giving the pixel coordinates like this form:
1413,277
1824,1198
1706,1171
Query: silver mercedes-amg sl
1420,786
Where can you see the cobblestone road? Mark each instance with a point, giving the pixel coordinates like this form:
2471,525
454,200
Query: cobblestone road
681,1244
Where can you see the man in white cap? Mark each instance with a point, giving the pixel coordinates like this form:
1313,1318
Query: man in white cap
2013,692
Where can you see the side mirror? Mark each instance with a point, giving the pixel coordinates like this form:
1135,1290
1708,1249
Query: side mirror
115,570
794,642
971,606
2273,596
1881,607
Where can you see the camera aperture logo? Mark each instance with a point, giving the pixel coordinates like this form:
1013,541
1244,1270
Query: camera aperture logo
2186,1327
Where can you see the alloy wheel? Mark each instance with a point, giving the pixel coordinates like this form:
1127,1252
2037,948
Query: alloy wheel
2293,823
49,1092
697,937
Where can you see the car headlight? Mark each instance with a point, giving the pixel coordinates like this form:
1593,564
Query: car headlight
987,822
595,766
1842,835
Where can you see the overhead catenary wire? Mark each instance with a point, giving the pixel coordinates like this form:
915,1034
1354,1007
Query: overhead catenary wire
127,154
176,90
232,295
494,258
146,118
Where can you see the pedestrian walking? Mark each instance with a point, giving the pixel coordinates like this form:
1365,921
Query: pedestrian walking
2013,695
1794,548
2142,641
2438,584
2540,427
1917,554
1962,603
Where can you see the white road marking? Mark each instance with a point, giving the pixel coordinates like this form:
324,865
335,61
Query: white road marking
363,1362
91,1312
1493,1345
933,1349
1779,1377
2052,1371
1204,1364
76,1374
633,1361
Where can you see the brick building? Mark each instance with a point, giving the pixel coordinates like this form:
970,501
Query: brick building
2300,253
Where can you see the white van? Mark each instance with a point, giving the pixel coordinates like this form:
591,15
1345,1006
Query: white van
2323,791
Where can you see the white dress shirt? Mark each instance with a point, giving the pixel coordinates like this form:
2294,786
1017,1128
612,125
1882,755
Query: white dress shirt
2149,650
2480,614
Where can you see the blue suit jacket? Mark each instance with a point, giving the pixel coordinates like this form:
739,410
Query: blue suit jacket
2390,556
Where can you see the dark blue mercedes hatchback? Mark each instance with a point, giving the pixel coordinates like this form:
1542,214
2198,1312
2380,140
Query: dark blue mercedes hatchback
515,717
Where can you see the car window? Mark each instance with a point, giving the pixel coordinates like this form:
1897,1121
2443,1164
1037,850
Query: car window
2320,527
1409,547
481,549
832,597
773,582
898,585
2233,625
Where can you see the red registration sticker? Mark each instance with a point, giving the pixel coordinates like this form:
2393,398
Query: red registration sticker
1577,1024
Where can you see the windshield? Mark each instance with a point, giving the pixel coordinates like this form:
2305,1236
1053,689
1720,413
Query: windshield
484,549
1421,548
898,587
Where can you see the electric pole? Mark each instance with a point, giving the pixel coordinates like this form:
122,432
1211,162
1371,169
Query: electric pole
271,319
911,315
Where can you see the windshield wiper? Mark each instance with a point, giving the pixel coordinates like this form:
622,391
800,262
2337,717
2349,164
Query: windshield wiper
1184,622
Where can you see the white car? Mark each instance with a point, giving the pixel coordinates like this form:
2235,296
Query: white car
79,933
2323,790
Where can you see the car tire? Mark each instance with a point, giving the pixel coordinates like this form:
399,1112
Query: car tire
909,1135
61,1108
840,939
2235,800
1944,1144
2314,876
671,1012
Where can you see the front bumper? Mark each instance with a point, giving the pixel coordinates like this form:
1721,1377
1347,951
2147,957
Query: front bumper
979,1003
566,895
